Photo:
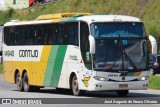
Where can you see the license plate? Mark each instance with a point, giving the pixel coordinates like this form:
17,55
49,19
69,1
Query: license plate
123,85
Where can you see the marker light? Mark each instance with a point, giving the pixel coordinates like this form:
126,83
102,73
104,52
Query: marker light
100,78
142,78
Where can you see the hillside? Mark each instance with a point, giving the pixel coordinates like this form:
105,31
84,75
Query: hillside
147,10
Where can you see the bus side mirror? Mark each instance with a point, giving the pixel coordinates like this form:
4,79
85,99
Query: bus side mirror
92,44
153,44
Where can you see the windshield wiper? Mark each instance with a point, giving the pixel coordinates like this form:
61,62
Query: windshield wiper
124,53
131,62
126,56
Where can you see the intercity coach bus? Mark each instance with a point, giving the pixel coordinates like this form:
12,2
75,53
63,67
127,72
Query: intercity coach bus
77,51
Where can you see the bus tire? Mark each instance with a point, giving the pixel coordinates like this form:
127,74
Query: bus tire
122,93
75,87
26,86
19,82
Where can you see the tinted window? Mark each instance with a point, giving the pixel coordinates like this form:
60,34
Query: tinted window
43,34
118,29
84,44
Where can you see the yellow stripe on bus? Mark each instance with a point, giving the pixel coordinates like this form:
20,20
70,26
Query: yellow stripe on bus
56,20
45,53
40,67
137,74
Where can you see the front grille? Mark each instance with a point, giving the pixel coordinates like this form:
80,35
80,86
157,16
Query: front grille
123,81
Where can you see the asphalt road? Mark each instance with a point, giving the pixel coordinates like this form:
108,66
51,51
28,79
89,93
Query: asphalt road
9,91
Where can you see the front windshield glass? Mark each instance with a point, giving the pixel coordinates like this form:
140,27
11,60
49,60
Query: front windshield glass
117,29
119,46
118,54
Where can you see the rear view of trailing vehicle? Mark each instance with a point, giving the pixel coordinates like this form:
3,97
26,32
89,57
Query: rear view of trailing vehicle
154,64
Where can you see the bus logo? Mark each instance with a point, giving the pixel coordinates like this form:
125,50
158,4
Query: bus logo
123,78
86,79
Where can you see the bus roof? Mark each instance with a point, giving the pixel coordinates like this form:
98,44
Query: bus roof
60,16
64,17
109,18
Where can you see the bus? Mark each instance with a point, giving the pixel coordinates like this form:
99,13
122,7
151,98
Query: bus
77,51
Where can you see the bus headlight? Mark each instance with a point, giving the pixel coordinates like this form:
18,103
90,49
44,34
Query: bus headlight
143,78
100,78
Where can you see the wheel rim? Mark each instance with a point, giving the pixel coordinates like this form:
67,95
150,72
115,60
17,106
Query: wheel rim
25,82
18,81
75,87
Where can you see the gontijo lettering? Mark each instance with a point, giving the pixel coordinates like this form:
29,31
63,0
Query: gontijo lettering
28,53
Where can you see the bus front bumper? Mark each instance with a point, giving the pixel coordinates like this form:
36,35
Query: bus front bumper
132,85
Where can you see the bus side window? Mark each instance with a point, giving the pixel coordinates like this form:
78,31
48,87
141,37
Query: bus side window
73,33
84,44
19,35
65,34
62,31
7,35
12,35
56,34
46,34
50,33
30,37
39,35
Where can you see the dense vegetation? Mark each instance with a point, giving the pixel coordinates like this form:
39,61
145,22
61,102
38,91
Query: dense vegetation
154,82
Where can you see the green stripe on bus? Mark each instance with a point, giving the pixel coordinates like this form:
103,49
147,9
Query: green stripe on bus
58,65
127,74
69,19
130,74
49,69
124,74
72,19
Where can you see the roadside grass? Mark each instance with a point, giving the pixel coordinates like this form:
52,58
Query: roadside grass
1,69
154,82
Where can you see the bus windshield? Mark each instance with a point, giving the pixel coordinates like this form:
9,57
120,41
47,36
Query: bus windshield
116,29
119,46
116,54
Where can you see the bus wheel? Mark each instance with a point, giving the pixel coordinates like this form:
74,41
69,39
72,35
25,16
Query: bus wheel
19,82
75,88
122,93
26,85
